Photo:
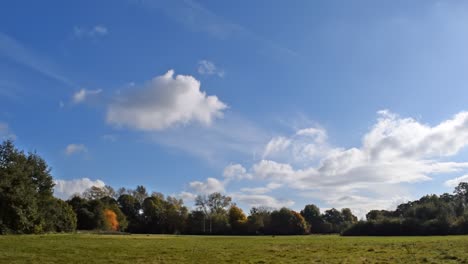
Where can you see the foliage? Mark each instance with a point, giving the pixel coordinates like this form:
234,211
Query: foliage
311,214
214,207
430,215
95,193
26,201
167,216
286,222
59,216
237,220
91,214
111,220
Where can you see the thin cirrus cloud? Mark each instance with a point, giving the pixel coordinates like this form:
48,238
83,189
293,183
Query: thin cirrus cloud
83,94
198,18
395,153
72,149
164,102
96,31
206,67
220,144
17,52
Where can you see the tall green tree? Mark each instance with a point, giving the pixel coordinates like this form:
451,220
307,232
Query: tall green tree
26,188
130,206
311,214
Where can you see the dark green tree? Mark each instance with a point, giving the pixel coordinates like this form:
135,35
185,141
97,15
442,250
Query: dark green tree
287,222
311,214
59,216
130,206
26,188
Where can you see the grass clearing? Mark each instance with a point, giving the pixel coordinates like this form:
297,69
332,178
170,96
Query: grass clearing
90,248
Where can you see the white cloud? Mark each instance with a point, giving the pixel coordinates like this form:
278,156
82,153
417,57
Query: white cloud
210,186
65,188
75,148
164,102
236,171
187,197
262,190
276,145
83,94
454,182
306,145
206,67
98,30
268,169
257,200
396,152
5,132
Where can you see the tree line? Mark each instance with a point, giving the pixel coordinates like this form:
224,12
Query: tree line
431,215
27,206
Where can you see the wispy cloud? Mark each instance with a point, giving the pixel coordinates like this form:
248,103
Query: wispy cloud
75,148
206,67
96,31
84,94
109,137
17,52
5,132
198,18
228,138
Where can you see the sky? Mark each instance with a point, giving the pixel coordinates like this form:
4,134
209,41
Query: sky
356,104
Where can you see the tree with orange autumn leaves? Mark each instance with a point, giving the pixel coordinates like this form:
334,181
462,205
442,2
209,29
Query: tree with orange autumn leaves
111,220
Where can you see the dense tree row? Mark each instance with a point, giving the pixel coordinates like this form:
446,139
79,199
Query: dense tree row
430,215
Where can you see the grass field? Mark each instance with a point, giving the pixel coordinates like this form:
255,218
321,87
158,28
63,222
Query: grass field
88,248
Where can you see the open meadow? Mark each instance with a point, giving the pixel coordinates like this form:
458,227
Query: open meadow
88,248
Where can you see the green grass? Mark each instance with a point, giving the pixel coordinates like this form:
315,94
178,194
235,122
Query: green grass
89,248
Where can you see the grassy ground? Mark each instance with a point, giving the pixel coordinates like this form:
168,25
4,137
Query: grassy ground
88,248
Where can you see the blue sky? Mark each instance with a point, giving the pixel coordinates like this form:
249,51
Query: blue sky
342,104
